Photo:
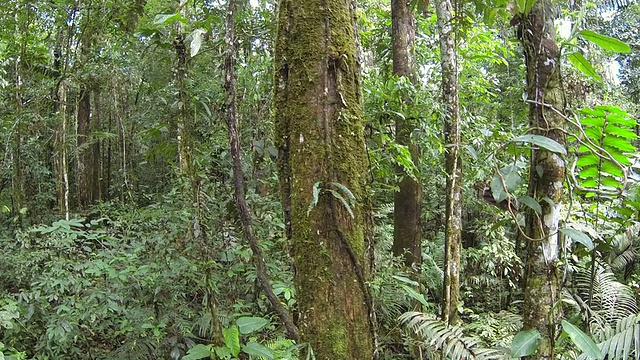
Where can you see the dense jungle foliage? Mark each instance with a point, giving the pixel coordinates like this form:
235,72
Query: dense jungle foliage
133,227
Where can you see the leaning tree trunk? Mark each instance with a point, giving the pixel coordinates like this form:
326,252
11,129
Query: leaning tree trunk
407,231
541,311
453,229
319,125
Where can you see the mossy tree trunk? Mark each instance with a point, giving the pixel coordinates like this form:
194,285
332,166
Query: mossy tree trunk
542,56
453,227
407,231
319,125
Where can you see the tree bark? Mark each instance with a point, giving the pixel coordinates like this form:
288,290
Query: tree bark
407,233
453,162
319,126
546,175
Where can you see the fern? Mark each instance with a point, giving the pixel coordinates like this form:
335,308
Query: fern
449,340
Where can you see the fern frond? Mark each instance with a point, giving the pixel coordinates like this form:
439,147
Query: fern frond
450,340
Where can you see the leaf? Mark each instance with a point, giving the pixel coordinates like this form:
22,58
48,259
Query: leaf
415,295
621,132
198,352
582,340
405,280
618,143
582,64
167,19
343,201
254,349
232,339
543,142
497,190
588,160
316,193
605,42
196,41
249,324
578,236
525,343
531,203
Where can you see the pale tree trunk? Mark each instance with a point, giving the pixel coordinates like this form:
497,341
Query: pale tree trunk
319,129
407,233
542,56
453,226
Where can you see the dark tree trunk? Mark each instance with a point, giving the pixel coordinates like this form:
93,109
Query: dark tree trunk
407,233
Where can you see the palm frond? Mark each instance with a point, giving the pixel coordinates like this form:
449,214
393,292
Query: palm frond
449,340
623,343
608,301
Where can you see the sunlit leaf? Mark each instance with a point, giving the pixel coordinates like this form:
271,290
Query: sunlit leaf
582,64
231,337
605,42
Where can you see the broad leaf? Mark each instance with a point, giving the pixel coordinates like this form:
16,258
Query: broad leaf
415,295
543,142
232,340
578,236
525,343
582,64
531,203
605,42
259,351
582,340
198,352
250,324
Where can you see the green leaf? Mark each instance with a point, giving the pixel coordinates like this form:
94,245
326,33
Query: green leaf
405,280
578,236
167,19
232,339
582,340
343,201
621,132
531,203
588,160
525,343
623,120
543,142
249,324
592,121
254,349
611,169
582,64
605,42
415,295
589,172
497,190
198,352
619,143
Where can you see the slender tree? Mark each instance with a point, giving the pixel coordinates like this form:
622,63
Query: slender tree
546,174
238,173
319,125
453,227
407,231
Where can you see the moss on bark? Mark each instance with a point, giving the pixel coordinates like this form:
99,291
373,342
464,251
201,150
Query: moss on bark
319,127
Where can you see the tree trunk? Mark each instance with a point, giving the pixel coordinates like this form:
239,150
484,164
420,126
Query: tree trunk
319,124
453,220
546,175
407,233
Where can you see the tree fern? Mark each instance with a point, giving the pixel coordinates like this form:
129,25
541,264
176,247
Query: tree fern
448,340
